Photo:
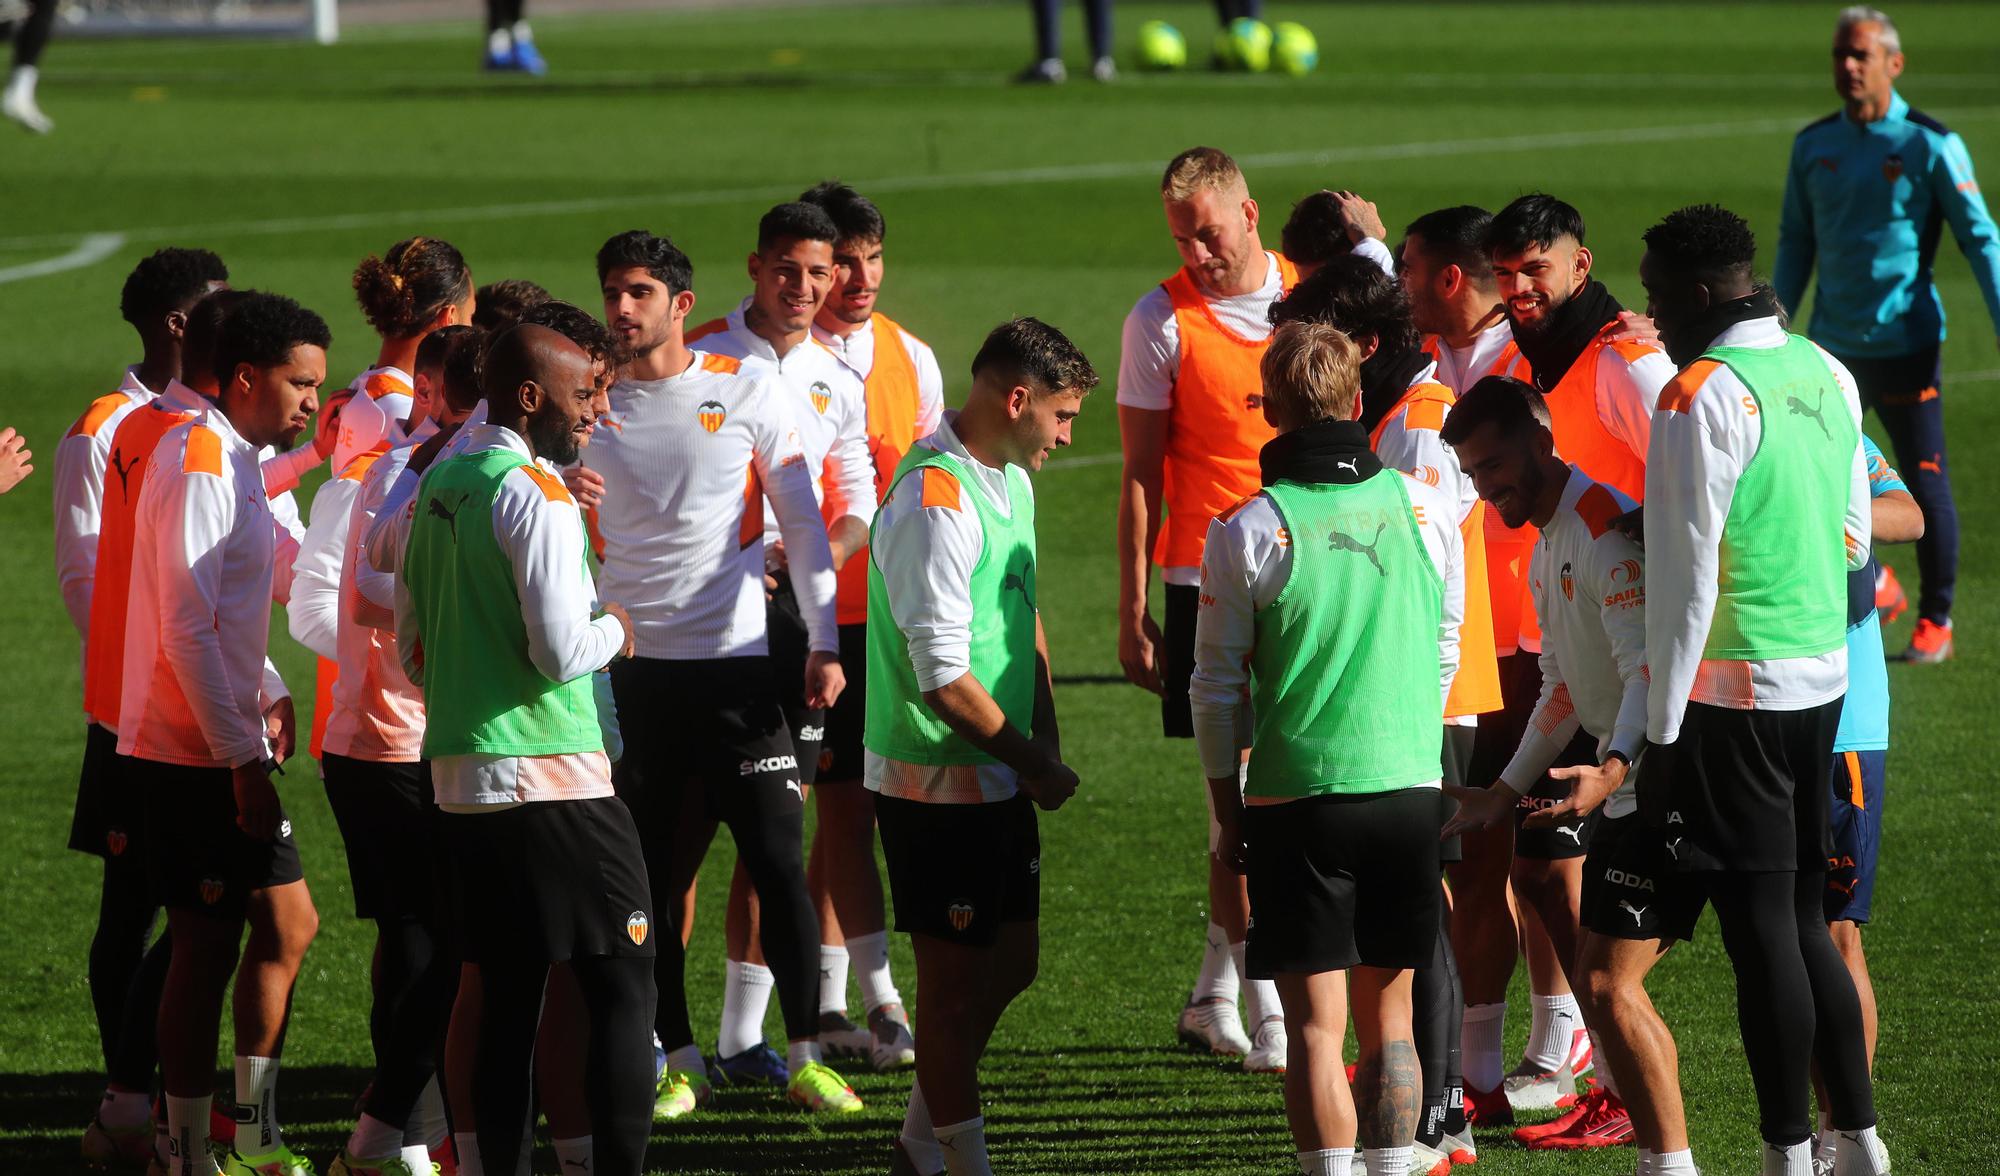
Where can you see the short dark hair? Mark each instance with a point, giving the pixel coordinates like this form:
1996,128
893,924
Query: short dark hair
854,216
1706,242
499,304
796,221
1316,232
1352,294
204,326
1537,219
1512,406
574,323
1457,236
261,330
404,289
658,256
461,370
166,281
1030,351
437,344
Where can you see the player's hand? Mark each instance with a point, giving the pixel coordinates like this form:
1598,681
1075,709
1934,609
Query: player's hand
614,609
1230,848
1138,645
1634,327
1632,525
256,801
1589,785
775,559
1478,808
14,457
326,430
585,485
824,679
1360,217
1051,786
281,728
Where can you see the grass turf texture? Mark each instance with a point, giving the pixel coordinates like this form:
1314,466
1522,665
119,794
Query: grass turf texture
293,161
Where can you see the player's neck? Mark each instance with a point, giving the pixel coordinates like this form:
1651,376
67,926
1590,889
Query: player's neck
781,341
664,362
1471,318
398,353
839,328
159,368
1870,107
1254,276
980,433
1555,480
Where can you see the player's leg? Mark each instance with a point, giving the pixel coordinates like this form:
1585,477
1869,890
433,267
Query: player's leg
1319,1106
1855,794
1390,843
1547,878
1048,66
1097,22
512,983
30,38
206,946
283,923
619,994
1387,1084
461,1064
125,972
562,1069
1906,393
1637,1045
1438,1001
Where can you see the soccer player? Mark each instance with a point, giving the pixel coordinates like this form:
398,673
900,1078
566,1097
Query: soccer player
961,737
15,459
510,43
1190,429
1048,68
1867,192
693,438
499,304
494,619
1326,597
1589,593
1329,224
31,36
1754,476
903,392
196,693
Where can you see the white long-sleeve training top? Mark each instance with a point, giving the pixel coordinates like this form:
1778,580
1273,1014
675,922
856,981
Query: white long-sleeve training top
856,349
1588,584
389,535
1698,452
688,464
1247,562
77,486
378,713
543,537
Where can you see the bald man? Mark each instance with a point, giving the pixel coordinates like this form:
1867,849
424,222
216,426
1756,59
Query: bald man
497,619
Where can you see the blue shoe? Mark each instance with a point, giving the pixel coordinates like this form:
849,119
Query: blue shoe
760,1065
497,62
528,59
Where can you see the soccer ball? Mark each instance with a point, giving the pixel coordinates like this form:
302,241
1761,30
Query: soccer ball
1161,46
1245,45
1294,50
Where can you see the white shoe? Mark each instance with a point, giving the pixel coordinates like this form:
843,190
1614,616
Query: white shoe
890,1044
1214,1026
1529,1089
22,109
842,1038
1267,1053
1428,1161
1859,1153
1104,69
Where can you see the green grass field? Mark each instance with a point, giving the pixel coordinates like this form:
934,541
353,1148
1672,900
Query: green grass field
293,161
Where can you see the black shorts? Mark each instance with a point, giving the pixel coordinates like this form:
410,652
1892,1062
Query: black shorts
1499,732
1457,762
717,722
1337,881
959,871
110,817
785,628
1744,789
551,881
842,760
1630,888
1856,825
1565,841
196,857
1176,659
388,815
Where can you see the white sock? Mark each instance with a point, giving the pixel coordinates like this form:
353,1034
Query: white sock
573,1155
1260,1004
746,996
257,1107
687,1058
800,1054
21,83
1332,1161
919,1143
416,1155
466,1144
499,41
187,1137
1859,1153
964,1147
1387,1161
1552,1030
1675,1163
1795,1160
1220,971
522,32
833,978
869,955
1480,1046
124,1108
430,1123
373,1139
1602,1065
1645,1163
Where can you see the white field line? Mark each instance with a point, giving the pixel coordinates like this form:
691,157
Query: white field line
94,247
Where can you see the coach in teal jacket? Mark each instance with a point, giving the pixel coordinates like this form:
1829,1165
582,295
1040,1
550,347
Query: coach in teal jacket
1869,193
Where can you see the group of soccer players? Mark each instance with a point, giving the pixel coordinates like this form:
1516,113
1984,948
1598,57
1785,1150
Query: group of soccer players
583,589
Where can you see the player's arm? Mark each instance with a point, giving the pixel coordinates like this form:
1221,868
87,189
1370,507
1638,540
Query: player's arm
1044,729
1148,359
16,461
1245,561
1957,190
409,634
787,482
1796,244
1551,726
536,524
1615,577
389,534
849,481
374,600
1627,392
930,388
1859,524
313,612
79,499
1894,515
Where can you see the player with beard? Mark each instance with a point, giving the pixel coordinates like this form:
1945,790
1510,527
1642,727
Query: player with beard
192,717
903,392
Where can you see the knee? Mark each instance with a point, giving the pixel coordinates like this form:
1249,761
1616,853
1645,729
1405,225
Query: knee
1599,989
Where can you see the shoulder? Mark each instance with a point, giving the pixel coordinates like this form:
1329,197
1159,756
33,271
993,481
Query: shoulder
381,382
1680,393
1815,127
718,364
1430,505
1251,515
200,449
713,327
1154,310
1426,405
100,413
1919,119
1639,363
535,485
1598,507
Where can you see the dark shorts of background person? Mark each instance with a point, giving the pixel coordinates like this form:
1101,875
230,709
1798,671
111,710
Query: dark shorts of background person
196,857
551,881
1337,881
109,817
957,872
388,818
1630,888
785,627
1906,393
1457,763
1571,839
716,721
1175,659
842,760
1855,821
1744,790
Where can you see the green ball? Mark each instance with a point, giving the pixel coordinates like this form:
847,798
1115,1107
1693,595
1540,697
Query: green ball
1245,45
1294,49
1161,46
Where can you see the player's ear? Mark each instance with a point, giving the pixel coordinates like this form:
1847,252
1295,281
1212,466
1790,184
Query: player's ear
177,323
528,397
1250,213
1582,262
1017,401
1369,345
683,305
1450,278
754,265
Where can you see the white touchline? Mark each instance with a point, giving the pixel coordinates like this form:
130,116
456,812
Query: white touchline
94,247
